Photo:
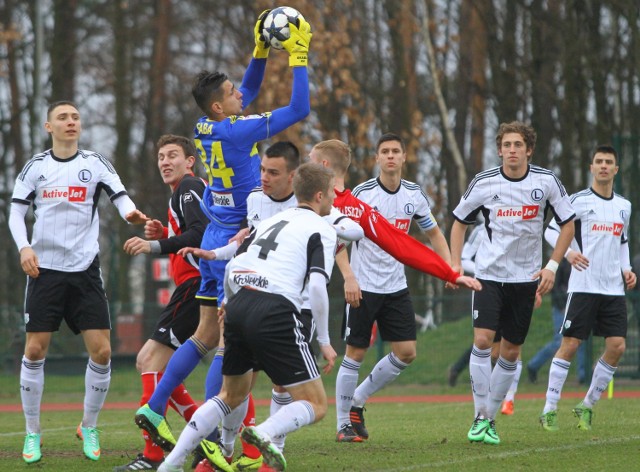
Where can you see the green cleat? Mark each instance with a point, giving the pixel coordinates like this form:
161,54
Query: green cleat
212,452
271,455
31,450
157,427
549,421
90,441
585,415
243,463
491,435
478,429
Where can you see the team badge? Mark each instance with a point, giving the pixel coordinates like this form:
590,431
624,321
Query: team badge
84,175
409,209
537,194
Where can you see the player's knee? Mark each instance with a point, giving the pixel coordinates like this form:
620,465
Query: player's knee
102,355
319,410
406,356
34,352
616,348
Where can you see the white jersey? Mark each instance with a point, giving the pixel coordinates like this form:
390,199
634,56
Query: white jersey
514,212
601,234
376,270
261,206
64,194
470,249
286,249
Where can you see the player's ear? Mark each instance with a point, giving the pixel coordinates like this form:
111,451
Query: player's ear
191,162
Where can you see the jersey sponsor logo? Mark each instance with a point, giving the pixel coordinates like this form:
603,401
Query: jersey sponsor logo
84,175
60,194
223,199
525,212
604,227
244,279
409,209
537,194
403,224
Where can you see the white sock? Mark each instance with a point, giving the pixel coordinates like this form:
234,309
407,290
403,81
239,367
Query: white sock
346,383
231,424
602,375
278,400
557,375
289,418
480,373
501,380
96,386
385,371
514,384
202,423
31,388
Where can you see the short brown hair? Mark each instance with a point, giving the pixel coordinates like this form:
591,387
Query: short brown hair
185,143
310,179
527,132
57,104
337,153
605,149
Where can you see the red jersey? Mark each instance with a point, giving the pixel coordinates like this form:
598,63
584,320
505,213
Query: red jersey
399,244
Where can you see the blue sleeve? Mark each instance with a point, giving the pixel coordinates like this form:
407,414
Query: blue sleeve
252,80
257,128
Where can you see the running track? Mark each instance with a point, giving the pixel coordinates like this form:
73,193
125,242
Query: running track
380,399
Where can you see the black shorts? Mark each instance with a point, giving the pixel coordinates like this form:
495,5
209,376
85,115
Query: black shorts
393,312
606,315
308,324
505,308
180,318
77,297
263,331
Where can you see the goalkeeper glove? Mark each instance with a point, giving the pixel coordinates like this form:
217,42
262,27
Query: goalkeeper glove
261,51
298,43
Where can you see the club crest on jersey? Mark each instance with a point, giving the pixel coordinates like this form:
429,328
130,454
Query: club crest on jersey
525,212
409,209
187,197
61,194
604,227
223,199
84,175
537,194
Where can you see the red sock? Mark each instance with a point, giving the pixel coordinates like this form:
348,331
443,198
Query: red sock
182,402
248,450
149,381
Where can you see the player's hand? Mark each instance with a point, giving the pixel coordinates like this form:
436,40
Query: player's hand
456,268
330,356
153,230
241,236
298,43
468,282
136,245
352,292
136,217
547,279
29,262
261,51
630,279
577,260
196,251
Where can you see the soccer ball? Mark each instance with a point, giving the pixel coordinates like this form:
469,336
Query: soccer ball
276,25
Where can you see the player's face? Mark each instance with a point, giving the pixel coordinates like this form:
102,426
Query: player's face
64,124
276,181
390,157
328,197
514,152
603,168
231,102
173,164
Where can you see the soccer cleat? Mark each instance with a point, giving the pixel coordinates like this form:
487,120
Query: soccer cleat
271,455
157,427
203,466
246,463
584,416
31,451
549,421
347,434
139,463
165,467
357,421
478,429
507,407
90,441
491,435
214,455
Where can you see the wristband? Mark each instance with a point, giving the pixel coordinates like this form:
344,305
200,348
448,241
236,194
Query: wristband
552,266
